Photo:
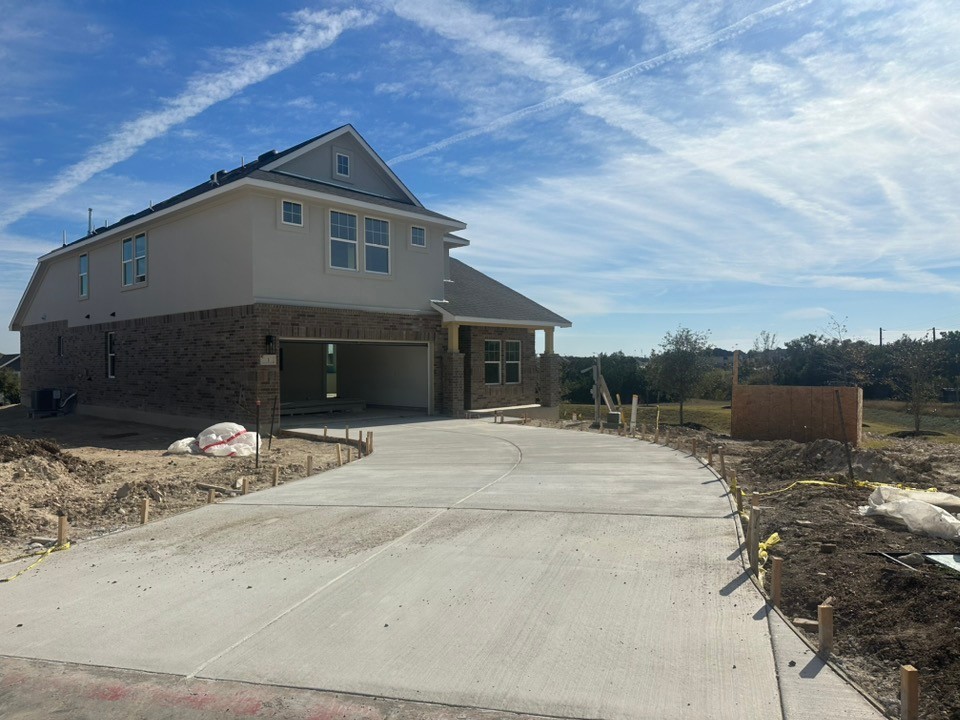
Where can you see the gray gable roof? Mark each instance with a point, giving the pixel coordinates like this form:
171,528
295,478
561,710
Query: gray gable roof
472,296
10,362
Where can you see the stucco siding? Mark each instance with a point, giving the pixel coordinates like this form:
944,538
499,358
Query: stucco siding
198,260
291,264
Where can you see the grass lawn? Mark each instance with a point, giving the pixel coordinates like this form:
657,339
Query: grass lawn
879,416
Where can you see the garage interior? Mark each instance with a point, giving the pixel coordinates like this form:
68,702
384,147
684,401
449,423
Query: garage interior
325,376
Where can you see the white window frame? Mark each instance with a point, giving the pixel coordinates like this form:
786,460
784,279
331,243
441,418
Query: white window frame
283,212
507,362
337,154
498,362
84,275
134,261
333,239
373,245
110,350
59,345
413,233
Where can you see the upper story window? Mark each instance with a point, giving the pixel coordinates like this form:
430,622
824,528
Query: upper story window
491,362
343,240
292,213
342,167
84,276
418,236
134,260
511,361
376,245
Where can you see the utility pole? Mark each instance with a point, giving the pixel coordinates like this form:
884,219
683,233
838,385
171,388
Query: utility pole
934,334
881,337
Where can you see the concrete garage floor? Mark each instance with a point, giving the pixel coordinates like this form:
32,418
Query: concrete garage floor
463,564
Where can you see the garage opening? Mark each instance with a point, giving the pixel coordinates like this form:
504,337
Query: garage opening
319,376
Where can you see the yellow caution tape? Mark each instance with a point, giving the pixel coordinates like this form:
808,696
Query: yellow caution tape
766,545
40,558
857,483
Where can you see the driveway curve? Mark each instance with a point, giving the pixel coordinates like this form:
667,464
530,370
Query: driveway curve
466,564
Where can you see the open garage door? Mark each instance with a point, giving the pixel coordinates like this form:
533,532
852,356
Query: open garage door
332,375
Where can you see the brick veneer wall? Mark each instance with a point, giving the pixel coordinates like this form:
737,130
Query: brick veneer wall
549,367
480,395
204,363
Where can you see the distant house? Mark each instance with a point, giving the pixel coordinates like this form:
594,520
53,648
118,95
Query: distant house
311,277
10,362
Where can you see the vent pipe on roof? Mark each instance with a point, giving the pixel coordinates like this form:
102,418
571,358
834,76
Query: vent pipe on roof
63,242
89,221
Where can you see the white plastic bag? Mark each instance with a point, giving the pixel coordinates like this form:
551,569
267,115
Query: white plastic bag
228,439
920,517
187,446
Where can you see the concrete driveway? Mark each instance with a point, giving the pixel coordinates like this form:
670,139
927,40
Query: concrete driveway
465,564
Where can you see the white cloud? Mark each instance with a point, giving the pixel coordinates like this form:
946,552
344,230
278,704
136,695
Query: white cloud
315,30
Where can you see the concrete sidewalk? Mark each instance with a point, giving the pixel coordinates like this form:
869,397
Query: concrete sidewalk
464,563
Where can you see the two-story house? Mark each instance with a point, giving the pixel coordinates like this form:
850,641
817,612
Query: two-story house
310,278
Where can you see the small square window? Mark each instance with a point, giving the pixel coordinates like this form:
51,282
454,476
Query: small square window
343,165
292,213
418,236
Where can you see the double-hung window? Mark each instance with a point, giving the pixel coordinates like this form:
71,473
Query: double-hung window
343,240
134,260
418,236
84,276
511,361
292,213
111,355
376,237
491,362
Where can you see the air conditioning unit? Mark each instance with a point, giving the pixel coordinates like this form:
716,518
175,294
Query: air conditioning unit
46,400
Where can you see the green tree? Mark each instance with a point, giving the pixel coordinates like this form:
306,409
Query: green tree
681,363
917,368
9,386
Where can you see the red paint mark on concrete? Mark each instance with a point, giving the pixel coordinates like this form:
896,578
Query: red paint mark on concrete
108,693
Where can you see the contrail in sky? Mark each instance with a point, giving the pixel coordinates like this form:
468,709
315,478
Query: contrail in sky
584,93
315,30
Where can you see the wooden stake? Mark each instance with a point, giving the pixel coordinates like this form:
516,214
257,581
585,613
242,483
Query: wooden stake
369,442
723,464
693,447
909,693
276,476
349,453
210,495
144,511
710,455
656,436
753,540
339,456
62,528
309,465
348,433
733,481
776,581
245,486
825,619
754,499
324,432
738,494
643,431
524,418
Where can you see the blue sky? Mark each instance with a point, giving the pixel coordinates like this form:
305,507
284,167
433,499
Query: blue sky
726,165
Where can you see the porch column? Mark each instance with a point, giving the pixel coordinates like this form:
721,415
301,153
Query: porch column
548,341
453,337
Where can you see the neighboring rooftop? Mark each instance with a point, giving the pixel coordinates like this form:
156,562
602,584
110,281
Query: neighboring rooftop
473,296
10,362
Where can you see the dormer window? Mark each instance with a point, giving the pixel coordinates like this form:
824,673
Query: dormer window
292,213
342,166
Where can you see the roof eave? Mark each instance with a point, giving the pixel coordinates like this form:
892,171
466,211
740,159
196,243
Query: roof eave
498,322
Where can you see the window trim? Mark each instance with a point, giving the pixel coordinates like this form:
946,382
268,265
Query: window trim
59,345
337,154
134,282
517,362
283,212
413,244
498,362
355,241
84,275
110,351
376,245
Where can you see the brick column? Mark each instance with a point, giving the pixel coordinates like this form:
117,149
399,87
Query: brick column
453,378
549,380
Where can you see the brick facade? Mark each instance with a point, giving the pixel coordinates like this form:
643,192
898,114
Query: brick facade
478,394
205,364
549,369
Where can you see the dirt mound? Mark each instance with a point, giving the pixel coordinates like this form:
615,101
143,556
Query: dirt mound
37,480
788,460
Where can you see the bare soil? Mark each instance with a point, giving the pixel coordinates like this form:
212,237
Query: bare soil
97,472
